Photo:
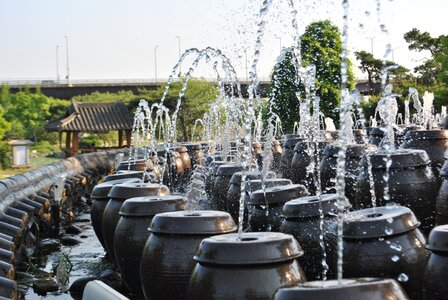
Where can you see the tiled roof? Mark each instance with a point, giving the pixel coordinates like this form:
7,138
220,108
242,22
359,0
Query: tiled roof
98,117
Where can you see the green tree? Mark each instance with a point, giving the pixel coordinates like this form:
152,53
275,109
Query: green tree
442,59
195,103
283,89
321,45
370,65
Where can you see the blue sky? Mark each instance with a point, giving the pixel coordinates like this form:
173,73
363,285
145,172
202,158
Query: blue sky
112,39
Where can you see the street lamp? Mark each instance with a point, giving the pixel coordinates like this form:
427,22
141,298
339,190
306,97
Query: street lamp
178,44
371,44
68,64
57,63
155,62
280,41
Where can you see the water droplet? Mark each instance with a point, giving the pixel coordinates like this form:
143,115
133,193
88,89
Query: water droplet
395,258
396,247
403,277
389,231
390,220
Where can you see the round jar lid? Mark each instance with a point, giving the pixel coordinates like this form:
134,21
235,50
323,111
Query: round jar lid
205,222
124,174
401,158
278,194
250,175
438,239
181,149
151,205
358,288
353,150
131,190
379,222
307,207
228,169
256,184
254,248
101,191
436,134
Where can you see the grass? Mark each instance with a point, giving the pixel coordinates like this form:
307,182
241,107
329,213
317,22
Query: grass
36,162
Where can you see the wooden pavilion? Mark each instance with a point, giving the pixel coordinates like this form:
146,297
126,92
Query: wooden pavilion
93,117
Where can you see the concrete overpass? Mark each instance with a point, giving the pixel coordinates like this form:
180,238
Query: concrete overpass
82,87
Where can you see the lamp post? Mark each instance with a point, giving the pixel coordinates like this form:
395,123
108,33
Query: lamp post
57,63
155,62
371,44
68,64
178,44
280,41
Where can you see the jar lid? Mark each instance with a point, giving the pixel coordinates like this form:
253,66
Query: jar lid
131,190
306,207
101,191
302,146
250,175
205,222
379,222
124,174
181,149
353,150
435,134
193,146
254,248
278,194
228,169
401,158
291,142
358,288
255,184
152,205
380,131
438,239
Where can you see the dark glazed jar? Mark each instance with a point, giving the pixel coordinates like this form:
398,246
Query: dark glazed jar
251,268
132,232
288,153
432,141
347,289
376,135
442,197
210,179
265,206
302,221
196,154
221,185
167,259
328,168
118,194
382,242
234,192
301,161
124,174
100,197
411,184
186,160
277,152
435,282
136,165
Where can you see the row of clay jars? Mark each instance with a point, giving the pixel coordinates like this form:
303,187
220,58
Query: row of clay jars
132,232
118,194
277,151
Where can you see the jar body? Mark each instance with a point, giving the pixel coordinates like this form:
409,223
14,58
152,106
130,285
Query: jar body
442,204
110,220
210,281
166,265
435,283
265,218
96,216
129,240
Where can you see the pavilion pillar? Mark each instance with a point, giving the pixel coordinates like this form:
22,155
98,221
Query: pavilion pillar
120,138
128,138
68,138
75,143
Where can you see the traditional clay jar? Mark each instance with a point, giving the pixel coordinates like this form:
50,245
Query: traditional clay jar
136,165
132,232
221,185
301,161
251,268
196,154
277,152
359,136
376,135
302,220
442,197
265,206
257,153
346,289
411,184
234,192
210,179
100,197
185,157
381,242
328,168
435,283
167,259
288,153
118,194
124,174
432,141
